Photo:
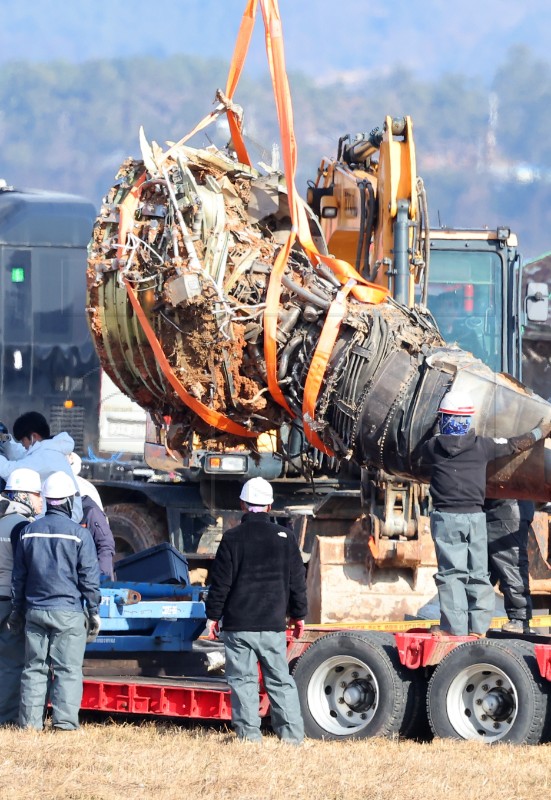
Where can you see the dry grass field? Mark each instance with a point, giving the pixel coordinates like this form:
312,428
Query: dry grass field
118,761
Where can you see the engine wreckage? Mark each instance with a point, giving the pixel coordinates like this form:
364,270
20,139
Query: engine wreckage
181,277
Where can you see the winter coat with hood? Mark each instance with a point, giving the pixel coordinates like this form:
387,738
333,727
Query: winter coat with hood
97,523
257,577
45,457
458,467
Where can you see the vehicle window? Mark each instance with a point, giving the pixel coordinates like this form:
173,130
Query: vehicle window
465,298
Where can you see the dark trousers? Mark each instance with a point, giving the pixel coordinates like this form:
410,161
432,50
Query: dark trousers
508,563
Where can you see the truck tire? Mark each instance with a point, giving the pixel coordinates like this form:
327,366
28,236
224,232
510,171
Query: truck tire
415,724
490,691
352,686
134,528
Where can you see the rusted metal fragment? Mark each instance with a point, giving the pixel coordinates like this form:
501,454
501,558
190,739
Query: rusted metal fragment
538,554
341,588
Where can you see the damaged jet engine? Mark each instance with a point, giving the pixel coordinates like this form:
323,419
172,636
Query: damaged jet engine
180,264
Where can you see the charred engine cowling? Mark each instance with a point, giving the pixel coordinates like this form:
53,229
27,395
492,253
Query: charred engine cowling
198,251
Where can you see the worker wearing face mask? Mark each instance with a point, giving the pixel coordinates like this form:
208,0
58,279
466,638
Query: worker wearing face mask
20,502
35,448
458,459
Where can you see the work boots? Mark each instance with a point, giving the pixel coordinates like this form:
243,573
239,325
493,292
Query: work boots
516,626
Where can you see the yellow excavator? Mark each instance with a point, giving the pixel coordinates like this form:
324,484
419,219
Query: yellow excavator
373,207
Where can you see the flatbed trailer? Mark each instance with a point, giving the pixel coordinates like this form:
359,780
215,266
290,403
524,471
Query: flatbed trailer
355,680
182,698
359,682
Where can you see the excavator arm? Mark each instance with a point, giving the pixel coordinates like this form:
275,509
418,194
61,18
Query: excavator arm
373,210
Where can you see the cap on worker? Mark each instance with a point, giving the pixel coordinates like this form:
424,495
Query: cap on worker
58,486
24,480
456,403
257,492
76,462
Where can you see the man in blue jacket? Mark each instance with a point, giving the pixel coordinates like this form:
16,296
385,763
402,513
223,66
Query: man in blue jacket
55,580
257,579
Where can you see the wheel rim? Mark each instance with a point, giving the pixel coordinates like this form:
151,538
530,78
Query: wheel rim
482,703
343,695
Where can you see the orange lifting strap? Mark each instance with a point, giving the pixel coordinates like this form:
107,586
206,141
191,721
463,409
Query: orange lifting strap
352,281
360,288
208,415
236,68
318,365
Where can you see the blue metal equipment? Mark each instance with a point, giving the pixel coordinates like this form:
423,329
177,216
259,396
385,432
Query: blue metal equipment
139,617
131,622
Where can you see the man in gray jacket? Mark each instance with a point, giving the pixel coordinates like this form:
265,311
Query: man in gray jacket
19,503
36,449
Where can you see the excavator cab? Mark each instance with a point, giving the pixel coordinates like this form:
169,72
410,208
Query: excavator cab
473,294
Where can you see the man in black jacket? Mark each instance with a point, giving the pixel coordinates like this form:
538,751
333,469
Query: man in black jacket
257,579
458,459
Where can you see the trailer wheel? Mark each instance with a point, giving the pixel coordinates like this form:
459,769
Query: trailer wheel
351,685
415,724
134,528
491,691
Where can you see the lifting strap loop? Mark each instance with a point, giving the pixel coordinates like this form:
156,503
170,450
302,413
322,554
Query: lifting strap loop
345,272
236,67
319,362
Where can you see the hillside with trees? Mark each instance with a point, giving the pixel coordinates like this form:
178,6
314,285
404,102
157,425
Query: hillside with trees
482,150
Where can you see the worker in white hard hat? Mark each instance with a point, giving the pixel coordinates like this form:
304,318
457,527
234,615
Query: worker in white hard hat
20,501
85,487
458,459
256,580
35,448
56,597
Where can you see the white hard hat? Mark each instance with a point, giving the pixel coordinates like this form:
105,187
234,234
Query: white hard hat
456,403
59,485
257,492
23,480
76,462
